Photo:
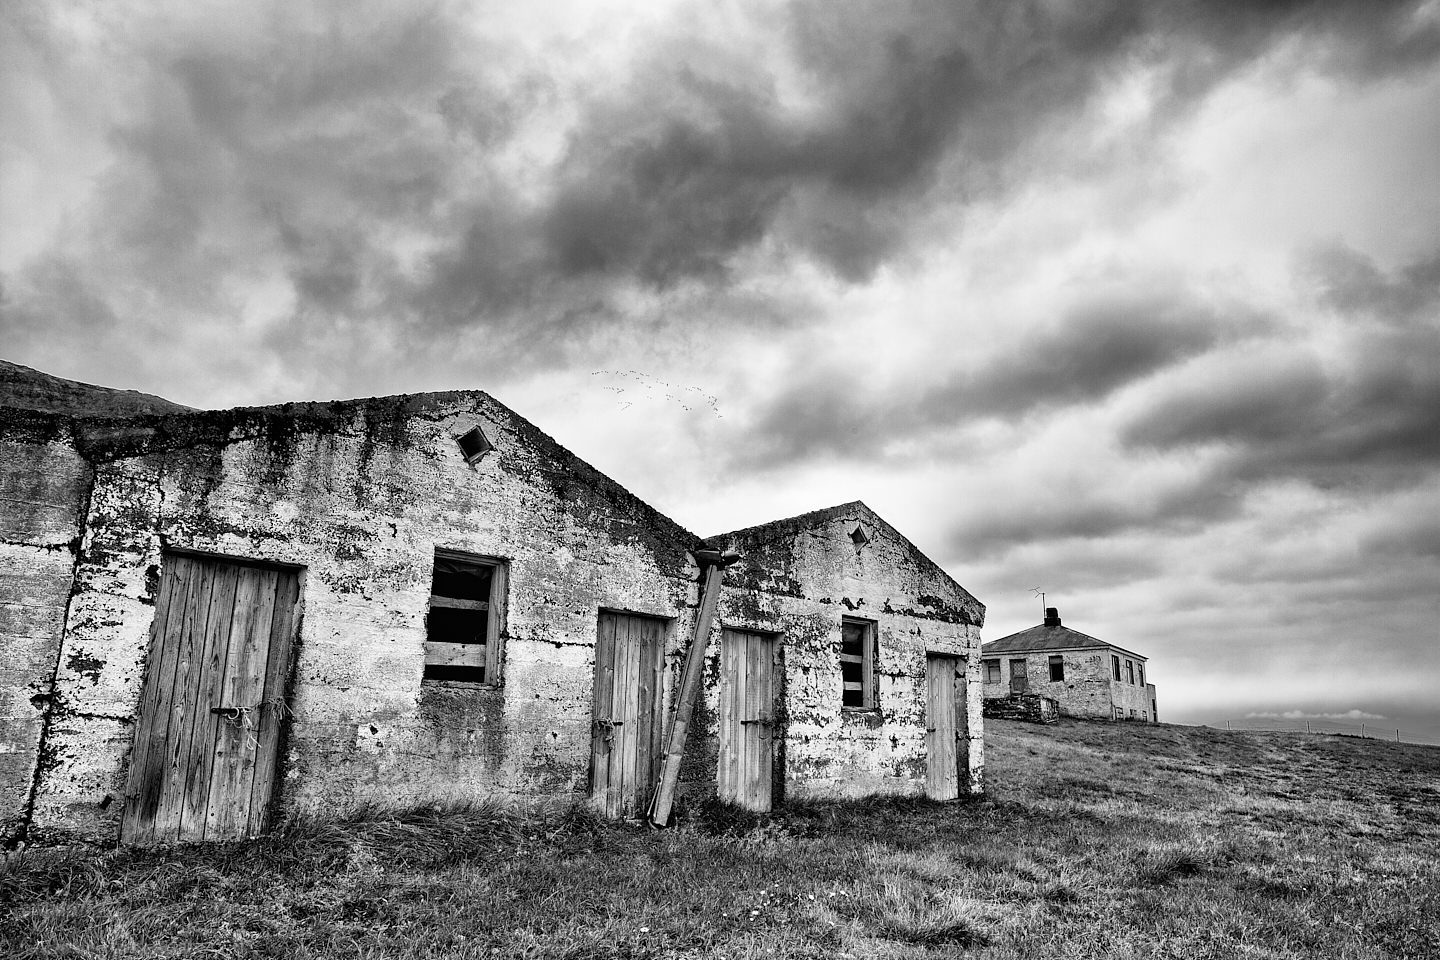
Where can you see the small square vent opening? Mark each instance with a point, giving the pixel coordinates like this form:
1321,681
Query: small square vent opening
474,444
859,537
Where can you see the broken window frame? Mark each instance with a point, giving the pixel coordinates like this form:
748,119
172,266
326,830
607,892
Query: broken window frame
1057,675
1140,668
993,673
1115,665
865,660
1130,672
439,665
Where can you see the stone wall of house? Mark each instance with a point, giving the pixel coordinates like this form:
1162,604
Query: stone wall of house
1130,696
1089,688
359,495
44,485
799,585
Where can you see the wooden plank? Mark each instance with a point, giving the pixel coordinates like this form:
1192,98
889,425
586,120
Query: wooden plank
189,640
725,763
962,730
495,629
455,654
284,624
146,775
204,721
601,699
754,712
935,730
232,777
766,684
633,795
455,603
645,713
867,675
713,571
627,696
615,797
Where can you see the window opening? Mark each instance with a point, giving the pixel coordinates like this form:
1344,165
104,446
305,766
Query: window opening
1141,668
1057,669
857,663
992,671
1115,664
1130,671
464,626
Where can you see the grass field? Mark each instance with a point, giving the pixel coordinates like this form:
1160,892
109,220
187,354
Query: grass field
1096,840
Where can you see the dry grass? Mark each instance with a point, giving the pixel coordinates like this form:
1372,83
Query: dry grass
1096,841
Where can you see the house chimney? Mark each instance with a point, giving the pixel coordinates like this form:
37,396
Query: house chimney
1052,617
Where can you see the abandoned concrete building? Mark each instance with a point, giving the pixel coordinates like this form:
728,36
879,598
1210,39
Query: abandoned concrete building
214,618
1085,676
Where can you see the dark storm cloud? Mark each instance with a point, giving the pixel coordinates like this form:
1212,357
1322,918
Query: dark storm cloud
1043,515
358,153
1350,283
689,166
1099,347
1376,406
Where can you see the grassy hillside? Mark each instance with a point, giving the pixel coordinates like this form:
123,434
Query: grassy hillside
29,389
1096,841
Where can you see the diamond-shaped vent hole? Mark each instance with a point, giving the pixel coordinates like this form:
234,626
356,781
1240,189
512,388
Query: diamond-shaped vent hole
474,444
859,538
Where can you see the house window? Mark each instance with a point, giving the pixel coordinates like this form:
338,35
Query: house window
1141,668
1130,671
1115,664
1057,669
857,663
992,671
465,626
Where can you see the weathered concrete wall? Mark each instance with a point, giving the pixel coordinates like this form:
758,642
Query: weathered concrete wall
44,484
360,495
1089,688
799,584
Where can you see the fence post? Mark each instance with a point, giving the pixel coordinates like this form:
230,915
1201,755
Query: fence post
1362,731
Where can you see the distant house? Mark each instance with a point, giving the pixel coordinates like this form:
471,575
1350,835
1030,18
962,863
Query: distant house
1086,676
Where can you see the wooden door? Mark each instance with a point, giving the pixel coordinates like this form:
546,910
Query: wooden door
945,733
1019,681
212,703
747,719
625,749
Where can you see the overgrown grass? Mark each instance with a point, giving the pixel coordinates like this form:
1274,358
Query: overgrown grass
1095,841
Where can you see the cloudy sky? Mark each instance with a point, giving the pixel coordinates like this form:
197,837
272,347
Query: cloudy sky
1135,302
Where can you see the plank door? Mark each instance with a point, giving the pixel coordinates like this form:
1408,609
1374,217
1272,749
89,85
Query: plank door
747,719
625,748
212,703
945,740
1019,680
